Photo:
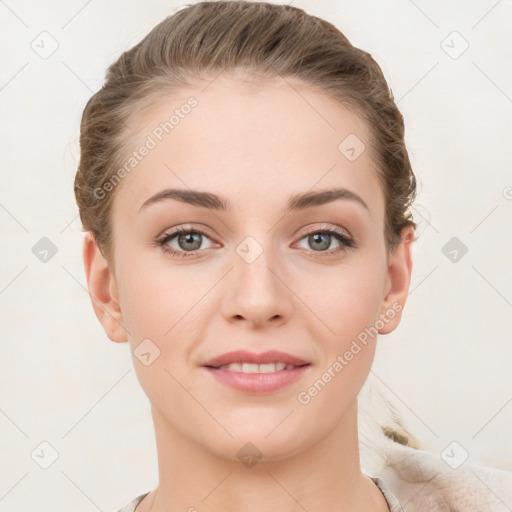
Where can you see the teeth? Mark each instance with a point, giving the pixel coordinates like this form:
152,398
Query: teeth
256,368
251,368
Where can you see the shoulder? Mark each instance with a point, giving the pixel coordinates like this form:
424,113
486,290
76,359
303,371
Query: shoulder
130,507
391,499
424,480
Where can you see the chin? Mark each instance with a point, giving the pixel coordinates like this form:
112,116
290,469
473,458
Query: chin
252,444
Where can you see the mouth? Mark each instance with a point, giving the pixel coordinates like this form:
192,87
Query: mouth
278,366
257,373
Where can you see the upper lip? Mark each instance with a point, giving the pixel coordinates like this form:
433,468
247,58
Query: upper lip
243,356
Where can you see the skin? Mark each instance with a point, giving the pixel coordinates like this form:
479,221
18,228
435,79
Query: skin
255,144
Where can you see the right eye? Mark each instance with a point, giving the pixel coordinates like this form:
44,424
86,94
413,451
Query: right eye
188,242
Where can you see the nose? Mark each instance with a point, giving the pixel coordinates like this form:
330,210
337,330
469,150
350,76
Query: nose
256,290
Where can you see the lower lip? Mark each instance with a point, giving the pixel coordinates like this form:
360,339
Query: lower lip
258,382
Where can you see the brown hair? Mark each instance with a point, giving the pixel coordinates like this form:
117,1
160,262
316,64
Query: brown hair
265,40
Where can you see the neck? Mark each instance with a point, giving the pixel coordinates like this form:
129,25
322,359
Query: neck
325,476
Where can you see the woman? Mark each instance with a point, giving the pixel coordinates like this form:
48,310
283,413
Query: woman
245,187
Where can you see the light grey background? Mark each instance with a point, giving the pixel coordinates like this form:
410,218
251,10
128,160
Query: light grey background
447,367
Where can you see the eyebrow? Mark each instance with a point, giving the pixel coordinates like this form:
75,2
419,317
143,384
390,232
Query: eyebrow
215,202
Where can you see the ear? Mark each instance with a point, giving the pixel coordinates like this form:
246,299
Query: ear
103,290
397,282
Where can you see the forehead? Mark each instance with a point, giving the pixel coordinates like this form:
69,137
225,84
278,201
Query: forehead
248,140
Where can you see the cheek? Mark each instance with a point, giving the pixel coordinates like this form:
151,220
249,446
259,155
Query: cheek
346,299
163,313
349,307
155,299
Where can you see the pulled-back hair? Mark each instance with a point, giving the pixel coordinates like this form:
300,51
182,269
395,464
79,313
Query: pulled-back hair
266,41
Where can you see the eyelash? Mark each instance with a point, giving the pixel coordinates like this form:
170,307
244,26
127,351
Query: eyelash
339,235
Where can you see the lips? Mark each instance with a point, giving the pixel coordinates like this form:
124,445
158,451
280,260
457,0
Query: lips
251,359
253,373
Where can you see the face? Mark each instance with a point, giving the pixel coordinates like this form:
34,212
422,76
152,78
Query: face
271,270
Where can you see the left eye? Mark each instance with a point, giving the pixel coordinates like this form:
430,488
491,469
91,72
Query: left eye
320,241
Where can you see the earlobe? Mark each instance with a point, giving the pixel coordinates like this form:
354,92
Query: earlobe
398,281
103,290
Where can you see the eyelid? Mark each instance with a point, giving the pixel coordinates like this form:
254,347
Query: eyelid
327,227
187,228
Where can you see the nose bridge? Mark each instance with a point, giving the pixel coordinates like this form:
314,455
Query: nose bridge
252,267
